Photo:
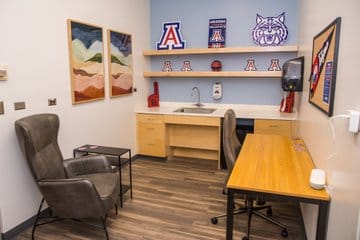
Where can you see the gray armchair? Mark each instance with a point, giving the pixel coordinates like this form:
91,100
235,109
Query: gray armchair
77,188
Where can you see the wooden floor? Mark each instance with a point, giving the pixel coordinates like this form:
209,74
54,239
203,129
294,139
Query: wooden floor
175,199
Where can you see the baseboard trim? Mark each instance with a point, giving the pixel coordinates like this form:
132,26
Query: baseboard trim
139,156
11,234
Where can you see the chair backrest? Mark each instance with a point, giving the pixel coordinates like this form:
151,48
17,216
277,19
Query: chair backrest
231,144
37,135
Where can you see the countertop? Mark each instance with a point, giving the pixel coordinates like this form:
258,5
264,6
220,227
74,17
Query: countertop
241,111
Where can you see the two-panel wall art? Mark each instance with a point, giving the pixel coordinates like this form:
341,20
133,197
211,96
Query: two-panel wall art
86,55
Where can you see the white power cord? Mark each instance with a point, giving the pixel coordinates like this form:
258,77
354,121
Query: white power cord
331,123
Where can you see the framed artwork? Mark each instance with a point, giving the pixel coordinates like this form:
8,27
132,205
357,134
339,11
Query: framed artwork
323,69
120,63
86,62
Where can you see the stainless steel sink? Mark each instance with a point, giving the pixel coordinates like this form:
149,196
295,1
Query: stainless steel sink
199,110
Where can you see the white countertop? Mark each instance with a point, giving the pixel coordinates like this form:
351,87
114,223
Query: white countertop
241,111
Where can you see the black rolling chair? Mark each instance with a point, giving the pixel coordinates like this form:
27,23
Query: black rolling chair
231,147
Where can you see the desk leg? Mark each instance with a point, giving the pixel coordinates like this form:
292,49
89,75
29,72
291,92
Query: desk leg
322,220
121,192
130,174
230,215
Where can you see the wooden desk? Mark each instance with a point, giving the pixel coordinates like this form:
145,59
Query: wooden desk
275,168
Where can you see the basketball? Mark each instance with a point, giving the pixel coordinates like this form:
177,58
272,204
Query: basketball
216,65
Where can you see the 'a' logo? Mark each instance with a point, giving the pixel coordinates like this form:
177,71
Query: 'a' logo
171,37
250,66
217,36
274,66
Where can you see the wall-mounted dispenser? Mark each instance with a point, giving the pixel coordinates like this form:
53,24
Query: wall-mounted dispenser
292,75
217,91
291,81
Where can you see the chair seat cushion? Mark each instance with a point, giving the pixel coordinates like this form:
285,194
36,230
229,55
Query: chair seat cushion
106,184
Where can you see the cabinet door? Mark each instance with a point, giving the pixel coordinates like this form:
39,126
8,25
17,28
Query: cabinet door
278,127
151,135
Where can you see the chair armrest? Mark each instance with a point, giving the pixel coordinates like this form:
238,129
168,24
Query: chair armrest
86,165
72,198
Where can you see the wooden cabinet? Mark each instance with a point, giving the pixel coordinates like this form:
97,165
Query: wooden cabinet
279,127
151,135
193,137
214,51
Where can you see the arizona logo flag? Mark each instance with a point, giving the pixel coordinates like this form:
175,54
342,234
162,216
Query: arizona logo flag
171,37
217,33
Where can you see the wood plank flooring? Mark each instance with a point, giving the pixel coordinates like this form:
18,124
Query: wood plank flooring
175,199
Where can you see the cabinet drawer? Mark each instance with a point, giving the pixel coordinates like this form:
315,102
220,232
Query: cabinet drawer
192,120
151,132
278,127
150,118
151,149
151,135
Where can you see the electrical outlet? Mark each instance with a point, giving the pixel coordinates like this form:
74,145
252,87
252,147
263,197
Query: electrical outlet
3,72
52,101
2,108
354,121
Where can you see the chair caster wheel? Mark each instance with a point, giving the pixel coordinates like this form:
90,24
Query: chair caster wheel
245,238
269,212
284,233
214,220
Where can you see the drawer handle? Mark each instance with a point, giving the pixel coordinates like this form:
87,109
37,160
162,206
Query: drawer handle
151,128
151,144
273,126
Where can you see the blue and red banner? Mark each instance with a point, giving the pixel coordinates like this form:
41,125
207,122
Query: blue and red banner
217,33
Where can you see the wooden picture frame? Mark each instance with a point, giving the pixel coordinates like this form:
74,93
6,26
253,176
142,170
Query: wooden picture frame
86,54
323,68
120,64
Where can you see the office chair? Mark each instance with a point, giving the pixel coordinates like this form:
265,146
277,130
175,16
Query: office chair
231,147
77,188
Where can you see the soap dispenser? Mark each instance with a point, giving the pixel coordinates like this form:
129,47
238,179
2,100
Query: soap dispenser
217,91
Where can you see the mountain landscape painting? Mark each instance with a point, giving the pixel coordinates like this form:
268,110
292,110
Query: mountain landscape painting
86,62
120,63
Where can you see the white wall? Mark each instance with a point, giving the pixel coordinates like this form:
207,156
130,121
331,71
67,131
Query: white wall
33,43
340,159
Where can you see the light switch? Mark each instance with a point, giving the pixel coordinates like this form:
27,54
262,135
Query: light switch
19,105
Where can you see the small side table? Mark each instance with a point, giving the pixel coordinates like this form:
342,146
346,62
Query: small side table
114,155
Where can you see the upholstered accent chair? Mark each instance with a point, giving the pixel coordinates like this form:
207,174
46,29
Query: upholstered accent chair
78,188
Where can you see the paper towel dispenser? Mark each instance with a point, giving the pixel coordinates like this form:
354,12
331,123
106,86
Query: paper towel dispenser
292,75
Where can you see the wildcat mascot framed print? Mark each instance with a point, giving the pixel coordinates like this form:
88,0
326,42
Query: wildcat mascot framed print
270,31
323,67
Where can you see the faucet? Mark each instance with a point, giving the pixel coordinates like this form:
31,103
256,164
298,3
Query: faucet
198,104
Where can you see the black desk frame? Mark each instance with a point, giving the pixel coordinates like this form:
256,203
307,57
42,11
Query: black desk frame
114,154
323,212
